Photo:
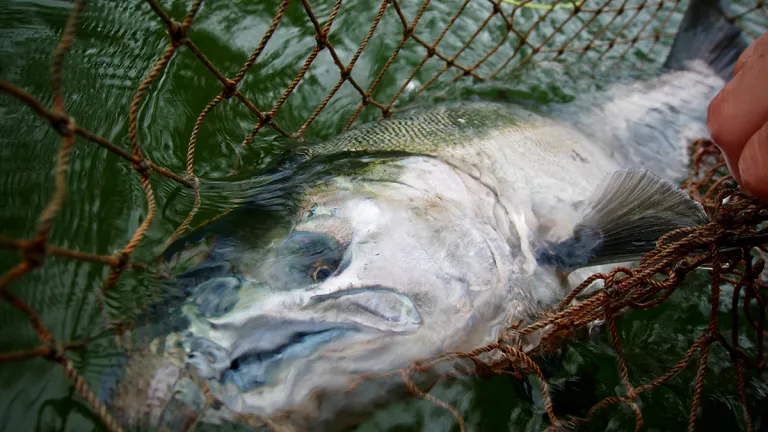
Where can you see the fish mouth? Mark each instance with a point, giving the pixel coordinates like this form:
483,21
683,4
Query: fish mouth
252,365
265,344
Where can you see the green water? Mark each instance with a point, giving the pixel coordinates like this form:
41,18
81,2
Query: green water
117,43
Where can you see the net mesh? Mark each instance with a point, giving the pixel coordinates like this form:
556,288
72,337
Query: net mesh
575,35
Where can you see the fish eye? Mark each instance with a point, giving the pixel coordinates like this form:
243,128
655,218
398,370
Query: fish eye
305,258
322,272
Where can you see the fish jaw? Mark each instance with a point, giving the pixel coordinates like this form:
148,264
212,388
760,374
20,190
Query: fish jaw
245,345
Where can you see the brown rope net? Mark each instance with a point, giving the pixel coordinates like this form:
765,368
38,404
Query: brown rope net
517,44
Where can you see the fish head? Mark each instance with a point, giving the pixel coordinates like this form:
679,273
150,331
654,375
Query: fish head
372,275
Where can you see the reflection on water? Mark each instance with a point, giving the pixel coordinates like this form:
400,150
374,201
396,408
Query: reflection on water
116,46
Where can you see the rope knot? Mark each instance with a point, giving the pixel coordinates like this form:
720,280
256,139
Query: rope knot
612,288
193,182
142,167
229,89
322,40
63,124
178,33
34,252
55,350
122,260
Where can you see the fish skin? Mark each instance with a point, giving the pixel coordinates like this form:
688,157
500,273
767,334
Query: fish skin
443,227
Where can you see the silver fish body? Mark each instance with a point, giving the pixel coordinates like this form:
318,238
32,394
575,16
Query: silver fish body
432,248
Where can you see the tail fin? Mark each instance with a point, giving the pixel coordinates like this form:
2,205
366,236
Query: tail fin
707,34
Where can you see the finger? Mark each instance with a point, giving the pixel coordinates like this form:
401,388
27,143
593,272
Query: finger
756,49
753,163
739,110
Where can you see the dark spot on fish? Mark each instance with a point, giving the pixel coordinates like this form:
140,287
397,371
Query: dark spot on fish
577,157
493,255
672,108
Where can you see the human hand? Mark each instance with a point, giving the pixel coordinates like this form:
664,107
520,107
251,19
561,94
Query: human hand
737,119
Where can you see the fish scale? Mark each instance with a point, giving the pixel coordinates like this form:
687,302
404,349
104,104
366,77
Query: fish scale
424,131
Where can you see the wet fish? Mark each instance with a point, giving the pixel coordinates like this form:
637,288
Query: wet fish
458,220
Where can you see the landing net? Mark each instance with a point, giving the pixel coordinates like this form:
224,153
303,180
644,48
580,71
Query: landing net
505,39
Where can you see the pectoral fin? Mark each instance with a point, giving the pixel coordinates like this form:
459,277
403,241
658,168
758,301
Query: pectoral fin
622,220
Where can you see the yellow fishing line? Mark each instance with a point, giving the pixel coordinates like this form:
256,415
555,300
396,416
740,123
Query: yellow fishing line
569,5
